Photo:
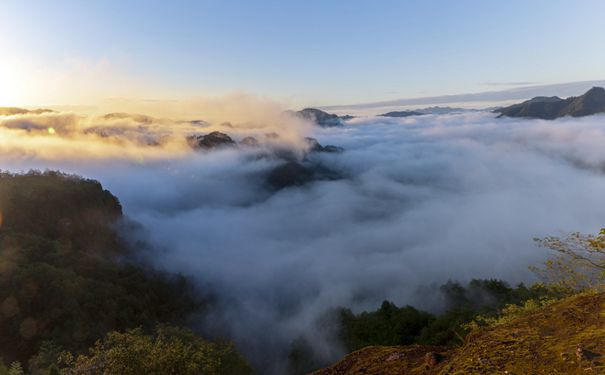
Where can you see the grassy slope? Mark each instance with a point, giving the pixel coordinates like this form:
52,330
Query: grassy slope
545,341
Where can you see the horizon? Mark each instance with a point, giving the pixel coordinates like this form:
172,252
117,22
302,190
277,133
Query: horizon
486,100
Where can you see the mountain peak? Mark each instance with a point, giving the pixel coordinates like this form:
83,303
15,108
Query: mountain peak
550,108
595,91
320,117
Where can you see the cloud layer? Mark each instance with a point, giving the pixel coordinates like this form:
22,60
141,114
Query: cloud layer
524,91
424,199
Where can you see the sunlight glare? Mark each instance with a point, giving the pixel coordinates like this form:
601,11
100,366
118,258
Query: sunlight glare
12,87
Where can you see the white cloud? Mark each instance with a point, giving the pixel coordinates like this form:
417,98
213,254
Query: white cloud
425,199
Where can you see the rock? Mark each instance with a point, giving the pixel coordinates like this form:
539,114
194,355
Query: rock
315,146
432,359
291,173
210,141
332,148
320,117
295,173
292,170
394,357
585,354
250,142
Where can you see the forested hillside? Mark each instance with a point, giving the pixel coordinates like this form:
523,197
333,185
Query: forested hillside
553,328
565,337
66,280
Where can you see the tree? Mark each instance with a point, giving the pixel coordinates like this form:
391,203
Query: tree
169,350
46,358
15,369
68,277
579,261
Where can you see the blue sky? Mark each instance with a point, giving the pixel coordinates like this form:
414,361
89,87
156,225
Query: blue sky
309,52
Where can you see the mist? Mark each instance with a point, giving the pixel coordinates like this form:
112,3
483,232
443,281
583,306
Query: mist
422,200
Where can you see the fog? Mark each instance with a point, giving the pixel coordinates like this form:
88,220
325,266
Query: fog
422,200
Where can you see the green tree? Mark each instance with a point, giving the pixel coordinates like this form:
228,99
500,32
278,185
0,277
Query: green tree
579,261
15,369
389,325
67,275
45,359
169,350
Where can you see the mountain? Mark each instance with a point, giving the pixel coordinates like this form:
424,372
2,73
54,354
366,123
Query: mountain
401,114
10,111
291,170
209,141
67,274
550,108
428,111
295,172
592,102
319,117
144,119
564,337
315,146
444,110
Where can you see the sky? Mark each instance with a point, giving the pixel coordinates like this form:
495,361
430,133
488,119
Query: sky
312,52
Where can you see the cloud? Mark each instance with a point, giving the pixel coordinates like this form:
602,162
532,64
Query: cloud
518,83
131,136
481,99
425,199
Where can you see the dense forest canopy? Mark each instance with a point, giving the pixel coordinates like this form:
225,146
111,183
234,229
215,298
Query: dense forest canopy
66,279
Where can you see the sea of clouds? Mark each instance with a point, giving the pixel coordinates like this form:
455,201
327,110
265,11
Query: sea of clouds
422,200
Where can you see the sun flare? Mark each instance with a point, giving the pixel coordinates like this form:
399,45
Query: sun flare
12,85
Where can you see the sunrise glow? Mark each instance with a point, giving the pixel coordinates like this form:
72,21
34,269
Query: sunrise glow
296,187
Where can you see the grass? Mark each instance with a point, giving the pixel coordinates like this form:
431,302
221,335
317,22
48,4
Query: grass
563,337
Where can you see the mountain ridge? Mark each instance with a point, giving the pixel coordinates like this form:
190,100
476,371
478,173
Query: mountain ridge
552,107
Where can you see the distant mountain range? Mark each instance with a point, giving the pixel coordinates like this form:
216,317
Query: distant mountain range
550,108
11,111
144,119
428,111
326,120
401,114
476,99
445,110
